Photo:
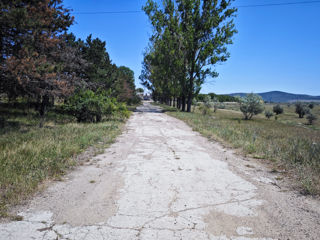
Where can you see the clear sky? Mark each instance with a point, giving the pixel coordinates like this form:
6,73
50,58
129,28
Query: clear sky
277,47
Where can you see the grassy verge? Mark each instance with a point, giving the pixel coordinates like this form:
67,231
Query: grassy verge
30,155
294,148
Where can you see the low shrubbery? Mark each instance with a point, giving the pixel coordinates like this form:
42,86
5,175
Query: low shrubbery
206,106
268,114
88,106
311,118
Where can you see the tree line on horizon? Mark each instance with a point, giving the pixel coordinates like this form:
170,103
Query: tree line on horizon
189,38
41,62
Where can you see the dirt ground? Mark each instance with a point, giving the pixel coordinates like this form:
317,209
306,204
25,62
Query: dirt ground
161,180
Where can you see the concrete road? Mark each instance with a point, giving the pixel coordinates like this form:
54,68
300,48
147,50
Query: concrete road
161,180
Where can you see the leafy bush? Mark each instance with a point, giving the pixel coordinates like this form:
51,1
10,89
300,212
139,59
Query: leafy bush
194,104
311,118
251,105
268,114
277,109
311,105
205,108
301,109
88,106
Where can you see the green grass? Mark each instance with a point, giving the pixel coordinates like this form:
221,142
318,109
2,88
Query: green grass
286,143
29,154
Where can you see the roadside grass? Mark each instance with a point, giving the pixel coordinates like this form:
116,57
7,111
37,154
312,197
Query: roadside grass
29,154
294,148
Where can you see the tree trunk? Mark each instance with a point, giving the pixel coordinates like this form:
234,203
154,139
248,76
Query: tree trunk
189,103
178,103
44,104
43,108
183,104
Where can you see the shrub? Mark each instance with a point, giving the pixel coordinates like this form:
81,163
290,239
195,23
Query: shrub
311,118
251,105
88,106
311,105
268,114
194,104
205,108
222,106
301,109
277,109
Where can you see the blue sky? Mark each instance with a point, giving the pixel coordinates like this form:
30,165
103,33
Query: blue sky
277,48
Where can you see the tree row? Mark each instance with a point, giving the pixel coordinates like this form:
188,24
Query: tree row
189,38
41,62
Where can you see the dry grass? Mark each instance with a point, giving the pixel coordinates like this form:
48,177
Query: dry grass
29,154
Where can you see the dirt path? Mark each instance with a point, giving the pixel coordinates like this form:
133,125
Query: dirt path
161,180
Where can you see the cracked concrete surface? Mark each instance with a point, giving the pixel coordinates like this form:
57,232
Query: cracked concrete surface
161,180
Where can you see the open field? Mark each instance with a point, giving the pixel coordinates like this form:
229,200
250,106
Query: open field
287,142
288,117
30,155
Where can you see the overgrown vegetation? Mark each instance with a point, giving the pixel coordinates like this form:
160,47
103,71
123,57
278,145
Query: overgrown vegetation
293,147
30,155
88,106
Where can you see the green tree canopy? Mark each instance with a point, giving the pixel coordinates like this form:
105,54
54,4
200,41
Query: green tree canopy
189,38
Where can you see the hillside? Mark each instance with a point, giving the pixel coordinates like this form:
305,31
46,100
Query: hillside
278,96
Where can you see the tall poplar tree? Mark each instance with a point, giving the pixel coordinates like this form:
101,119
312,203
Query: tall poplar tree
202,30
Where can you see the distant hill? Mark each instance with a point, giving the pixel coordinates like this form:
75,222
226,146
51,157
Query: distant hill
277,96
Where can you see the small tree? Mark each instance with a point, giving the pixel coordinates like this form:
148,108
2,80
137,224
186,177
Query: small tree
301,109
311,118
268,114
311,105
251,105
277,109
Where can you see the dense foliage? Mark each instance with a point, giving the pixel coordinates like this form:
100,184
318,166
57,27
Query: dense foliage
189,38
88,106
277,109
41,63
302,109
220,98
